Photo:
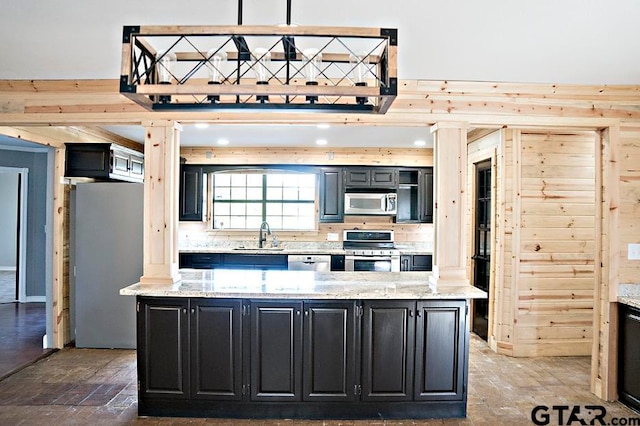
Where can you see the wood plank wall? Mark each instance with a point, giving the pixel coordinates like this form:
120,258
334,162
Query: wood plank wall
550,244
404,233
629,227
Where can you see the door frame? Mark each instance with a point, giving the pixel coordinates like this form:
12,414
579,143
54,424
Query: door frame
21,274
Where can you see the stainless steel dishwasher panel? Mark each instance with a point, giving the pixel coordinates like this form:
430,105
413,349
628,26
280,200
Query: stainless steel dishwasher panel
309,262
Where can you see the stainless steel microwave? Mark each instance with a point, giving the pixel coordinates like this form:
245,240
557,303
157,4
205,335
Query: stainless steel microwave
370,203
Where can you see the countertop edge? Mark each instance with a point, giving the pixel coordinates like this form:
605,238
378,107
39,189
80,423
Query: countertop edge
633,301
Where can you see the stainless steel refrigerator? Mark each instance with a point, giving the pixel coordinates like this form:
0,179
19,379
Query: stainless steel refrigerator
107,255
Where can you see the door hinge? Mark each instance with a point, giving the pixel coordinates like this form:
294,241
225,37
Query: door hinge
358,389
359,310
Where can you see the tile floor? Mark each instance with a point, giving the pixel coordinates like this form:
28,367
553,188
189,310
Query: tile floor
98,387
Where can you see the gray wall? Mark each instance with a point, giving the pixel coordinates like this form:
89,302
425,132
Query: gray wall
8,219
36,162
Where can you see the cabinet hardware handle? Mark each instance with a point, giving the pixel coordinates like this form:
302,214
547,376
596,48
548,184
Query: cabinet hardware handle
418,313
306,313
411,312
298,313
184,311
193,310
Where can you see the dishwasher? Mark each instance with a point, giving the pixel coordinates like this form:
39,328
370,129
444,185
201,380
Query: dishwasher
309,262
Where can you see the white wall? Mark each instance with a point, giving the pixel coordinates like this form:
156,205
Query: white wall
8,219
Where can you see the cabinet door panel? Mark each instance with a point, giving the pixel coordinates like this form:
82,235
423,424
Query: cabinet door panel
276,360
191,193
163,336
329,351
629,357
384,178
216,349
331,195
387,354
426,195
440,349
358,177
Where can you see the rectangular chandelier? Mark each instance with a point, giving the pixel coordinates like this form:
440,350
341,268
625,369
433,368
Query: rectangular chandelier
289,68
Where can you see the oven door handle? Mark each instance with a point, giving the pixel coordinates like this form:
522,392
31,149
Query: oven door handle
385,258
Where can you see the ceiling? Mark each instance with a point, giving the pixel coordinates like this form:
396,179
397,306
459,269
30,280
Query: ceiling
542,41
260,135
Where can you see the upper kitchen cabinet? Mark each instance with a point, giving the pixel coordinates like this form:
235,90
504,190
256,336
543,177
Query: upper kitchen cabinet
331,195
370,177
415,195
104,161
191,193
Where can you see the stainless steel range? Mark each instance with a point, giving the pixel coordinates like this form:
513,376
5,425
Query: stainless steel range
370,250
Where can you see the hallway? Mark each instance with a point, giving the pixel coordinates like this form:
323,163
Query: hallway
97,386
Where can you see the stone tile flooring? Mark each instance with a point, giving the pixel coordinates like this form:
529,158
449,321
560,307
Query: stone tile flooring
98,387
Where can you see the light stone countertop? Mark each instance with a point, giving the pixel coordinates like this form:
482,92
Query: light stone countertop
255,284
286,250
629,294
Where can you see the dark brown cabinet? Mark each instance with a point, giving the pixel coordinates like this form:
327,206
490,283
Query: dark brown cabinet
425,195
163,348
216,349
331,195
330,365
415,196
103,161
262,358
416,262
371,177
388,332
276,351
629,356
191,193
440,351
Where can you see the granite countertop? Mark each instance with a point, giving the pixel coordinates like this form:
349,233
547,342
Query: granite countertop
629,294
226,283
286,250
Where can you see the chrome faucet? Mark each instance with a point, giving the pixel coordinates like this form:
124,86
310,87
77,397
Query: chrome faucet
261,237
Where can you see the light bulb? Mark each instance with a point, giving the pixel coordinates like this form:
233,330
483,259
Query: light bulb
359,68
262,57
214,64
164,66
313,62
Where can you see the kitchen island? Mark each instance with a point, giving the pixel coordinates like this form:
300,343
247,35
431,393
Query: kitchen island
302,344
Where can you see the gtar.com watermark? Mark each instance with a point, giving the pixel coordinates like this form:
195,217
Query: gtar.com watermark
567,415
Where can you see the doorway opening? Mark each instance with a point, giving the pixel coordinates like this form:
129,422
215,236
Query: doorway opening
482,247
12,234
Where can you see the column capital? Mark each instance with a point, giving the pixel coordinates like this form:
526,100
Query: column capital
163,123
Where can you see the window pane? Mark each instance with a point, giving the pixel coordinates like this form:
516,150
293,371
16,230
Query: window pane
274,209
221,222
290,209
254,209
238,209
290,193
239,193
307,194
222,193
254,180
221,209
222,179
275,222
238,179
254,193
238,222
253,222
274,193
277,179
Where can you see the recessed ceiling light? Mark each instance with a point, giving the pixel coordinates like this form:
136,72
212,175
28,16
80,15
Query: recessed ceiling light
321,142
419,143
201,125
223,141
323,126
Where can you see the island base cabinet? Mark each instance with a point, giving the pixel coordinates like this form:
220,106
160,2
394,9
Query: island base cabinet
216,349
629,356
302,359
276,351
163,348
440,351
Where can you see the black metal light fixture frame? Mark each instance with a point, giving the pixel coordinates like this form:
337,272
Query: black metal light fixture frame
144,47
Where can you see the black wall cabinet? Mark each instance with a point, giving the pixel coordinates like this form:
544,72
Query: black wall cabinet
302,359
103,161
371,177
629,356
331,195
191,193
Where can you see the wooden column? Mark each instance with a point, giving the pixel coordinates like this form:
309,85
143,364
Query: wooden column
161,185
450,162
60,329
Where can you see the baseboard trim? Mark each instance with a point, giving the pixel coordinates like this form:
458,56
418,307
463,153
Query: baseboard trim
8,268
35,299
